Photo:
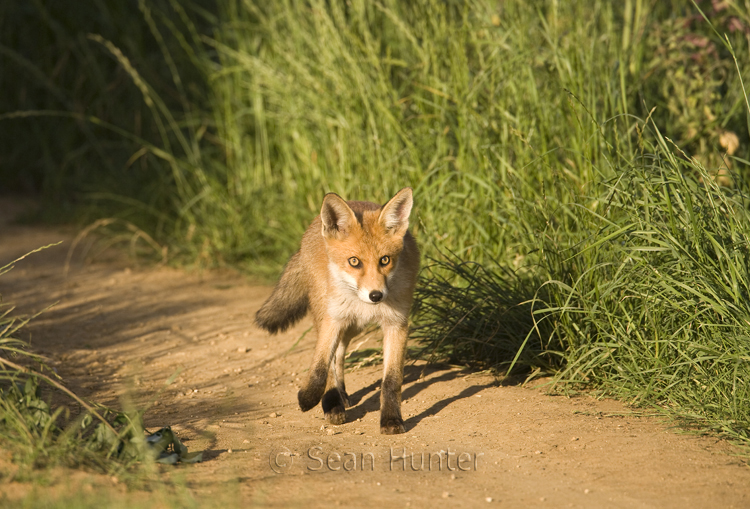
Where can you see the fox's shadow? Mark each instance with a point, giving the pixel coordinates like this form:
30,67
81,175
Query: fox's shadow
367,399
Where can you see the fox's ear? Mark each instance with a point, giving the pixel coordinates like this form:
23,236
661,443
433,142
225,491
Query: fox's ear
395,214
338,218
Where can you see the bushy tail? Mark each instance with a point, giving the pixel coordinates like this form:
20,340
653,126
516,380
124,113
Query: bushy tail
288,302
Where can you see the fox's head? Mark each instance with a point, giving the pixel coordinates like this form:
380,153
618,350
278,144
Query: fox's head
364,242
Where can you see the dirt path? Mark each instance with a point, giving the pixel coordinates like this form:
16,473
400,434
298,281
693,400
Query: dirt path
117,329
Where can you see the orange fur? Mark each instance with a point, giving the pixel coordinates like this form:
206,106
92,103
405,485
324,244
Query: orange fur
357,265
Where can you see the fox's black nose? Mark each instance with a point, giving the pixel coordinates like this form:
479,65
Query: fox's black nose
376,296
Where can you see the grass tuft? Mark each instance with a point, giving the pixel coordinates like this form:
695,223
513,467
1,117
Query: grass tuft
468,314
39,429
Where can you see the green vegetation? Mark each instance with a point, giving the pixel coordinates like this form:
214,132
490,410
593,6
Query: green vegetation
35,432
585,163
645,298
38,428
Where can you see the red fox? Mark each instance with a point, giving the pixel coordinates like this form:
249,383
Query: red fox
357,265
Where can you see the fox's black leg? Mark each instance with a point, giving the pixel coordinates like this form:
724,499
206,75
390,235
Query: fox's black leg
336,400
314,386
394,350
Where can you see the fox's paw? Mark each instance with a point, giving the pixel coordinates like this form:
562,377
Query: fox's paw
333,406
336,415
308,398
392,426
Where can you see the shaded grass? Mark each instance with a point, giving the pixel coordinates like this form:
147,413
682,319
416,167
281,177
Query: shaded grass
466,313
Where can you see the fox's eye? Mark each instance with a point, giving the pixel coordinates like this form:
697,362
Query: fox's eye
354,261
385,260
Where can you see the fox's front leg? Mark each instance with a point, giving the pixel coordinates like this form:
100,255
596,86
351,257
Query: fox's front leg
313,388
394,351
335,399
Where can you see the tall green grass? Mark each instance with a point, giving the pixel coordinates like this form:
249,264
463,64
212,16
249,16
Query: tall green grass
366,99
218,131
655,307
647,299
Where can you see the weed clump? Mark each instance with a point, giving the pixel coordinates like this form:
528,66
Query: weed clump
40,434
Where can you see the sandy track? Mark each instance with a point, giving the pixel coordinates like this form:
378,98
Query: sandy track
118,329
